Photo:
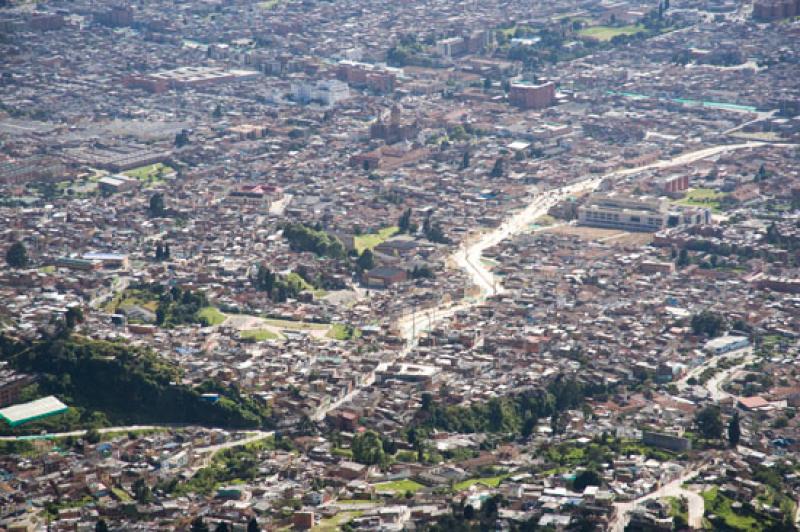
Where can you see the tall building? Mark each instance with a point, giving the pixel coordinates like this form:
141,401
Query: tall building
531,96
767,10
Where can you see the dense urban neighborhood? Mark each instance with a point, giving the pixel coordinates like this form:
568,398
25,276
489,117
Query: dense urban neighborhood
430,265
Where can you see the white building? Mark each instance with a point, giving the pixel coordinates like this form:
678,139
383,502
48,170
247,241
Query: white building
327,92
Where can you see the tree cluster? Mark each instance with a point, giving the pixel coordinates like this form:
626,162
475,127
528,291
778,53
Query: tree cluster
304,238
129,384
17,255
179,307
516,414
708,323
278,287
367,448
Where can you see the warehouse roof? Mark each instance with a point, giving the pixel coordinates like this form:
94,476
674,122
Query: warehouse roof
25,412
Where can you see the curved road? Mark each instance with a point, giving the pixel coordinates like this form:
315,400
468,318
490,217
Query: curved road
671,489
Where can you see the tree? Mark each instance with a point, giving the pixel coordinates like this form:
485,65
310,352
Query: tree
404,223
734,430
157,204
389,446
465,160
17,255
101,526
218,111
73,317
427,401
92,436
198,525
161,315
182,138
366,261
497,169
252,525
265,279
487,83
469,512
709,422
368,448
683,258
159,251
586,478
141,491
707,322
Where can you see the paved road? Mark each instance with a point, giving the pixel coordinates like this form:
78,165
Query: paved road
468,257
106,430
254,435
713,384
671,489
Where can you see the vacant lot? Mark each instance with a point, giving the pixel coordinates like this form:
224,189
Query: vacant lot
607,236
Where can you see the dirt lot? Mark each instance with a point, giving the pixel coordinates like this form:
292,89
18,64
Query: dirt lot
608,236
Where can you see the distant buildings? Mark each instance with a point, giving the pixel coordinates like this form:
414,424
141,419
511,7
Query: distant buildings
767,10
532,96
117,16
327,92
376,79
186,77
394,130
456,46
37,168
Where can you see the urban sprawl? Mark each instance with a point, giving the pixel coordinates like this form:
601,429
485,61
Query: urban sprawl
399,265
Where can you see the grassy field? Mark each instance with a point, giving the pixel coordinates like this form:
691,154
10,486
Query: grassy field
258,335
340,331
122,495
489,482
720,505
296,325
545,220
212,315
133,297
702,197
370,240
334,523
606,33
399,486
150,174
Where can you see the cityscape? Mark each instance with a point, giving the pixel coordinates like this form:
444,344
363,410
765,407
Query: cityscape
424,265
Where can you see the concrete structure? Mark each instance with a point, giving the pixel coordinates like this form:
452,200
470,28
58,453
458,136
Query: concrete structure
629,213
623,212
666,441
726,344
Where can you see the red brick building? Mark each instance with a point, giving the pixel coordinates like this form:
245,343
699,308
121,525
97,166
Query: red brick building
530,96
